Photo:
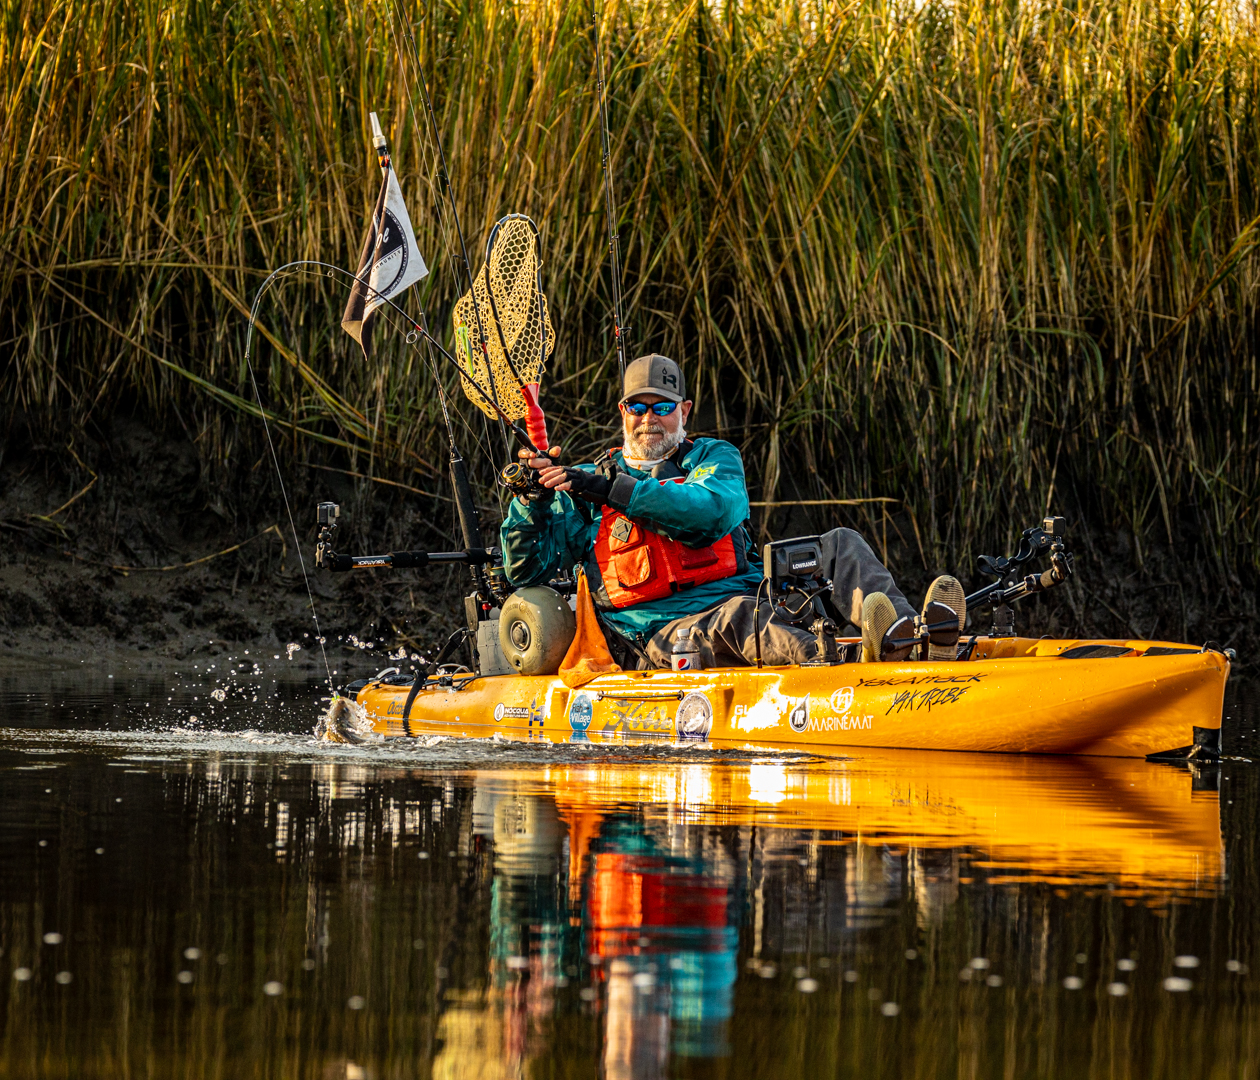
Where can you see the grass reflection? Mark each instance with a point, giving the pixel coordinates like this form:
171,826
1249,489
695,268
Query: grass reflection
284,914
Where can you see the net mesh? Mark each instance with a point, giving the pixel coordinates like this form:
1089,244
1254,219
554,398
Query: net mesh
509,279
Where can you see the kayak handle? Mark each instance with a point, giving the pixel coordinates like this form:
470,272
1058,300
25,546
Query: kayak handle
613,695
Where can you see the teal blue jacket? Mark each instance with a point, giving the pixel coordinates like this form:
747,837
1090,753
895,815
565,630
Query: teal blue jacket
542,538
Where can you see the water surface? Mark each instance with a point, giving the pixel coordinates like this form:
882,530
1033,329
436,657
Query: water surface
194,887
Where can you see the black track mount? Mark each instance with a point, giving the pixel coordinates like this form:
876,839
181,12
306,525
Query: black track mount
1012,583
328,559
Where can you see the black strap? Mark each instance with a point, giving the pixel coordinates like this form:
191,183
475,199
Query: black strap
422,674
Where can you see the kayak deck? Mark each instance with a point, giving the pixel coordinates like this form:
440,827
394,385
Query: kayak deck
1015,695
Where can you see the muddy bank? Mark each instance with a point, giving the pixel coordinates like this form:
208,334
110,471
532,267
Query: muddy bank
133,545
129,543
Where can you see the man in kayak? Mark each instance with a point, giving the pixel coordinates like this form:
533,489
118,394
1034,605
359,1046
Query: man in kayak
661,528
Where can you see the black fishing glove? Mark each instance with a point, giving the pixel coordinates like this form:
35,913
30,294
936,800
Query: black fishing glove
589,486
609,486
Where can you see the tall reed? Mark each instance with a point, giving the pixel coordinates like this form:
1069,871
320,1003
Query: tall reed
984,257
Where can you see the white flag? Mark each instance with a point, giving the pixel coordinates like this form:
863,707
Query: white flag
390,263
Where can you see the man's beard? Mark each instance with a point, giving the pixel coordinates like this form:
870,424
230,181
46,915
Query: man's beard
651,442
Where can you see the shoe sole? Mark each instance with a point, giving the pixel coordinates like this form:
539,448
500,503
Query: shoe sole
948,591
878,618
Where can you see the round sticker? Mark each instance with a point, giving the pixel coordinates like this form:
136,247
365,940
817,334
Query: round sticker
798,718
694,719
498,712
581,709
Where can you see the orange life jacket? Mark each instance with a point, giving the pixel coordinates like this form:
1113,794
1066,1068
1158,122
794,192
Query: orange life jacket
638,565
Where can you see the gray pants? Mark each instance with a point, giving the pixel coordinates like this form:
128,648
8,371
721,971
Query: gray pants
725,634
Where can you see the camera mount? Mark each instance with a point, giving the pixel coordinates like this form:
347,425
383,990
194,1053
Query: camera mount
329,515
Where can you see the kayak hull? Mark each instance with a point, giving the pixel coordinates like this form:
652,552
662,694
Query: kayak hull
1018,695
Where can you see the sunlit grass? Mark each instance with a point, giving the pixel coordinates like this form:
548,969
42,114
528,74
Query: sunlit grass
981,257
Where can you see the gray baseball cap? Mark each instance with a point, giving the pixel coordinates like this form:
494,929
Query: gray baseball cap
654,374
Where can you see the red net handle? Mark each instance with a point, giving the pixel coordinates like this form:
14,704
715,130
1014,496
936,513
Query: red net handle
535,422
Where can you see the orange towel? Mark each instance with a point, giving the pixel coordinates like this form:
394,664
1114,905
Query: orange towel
588,657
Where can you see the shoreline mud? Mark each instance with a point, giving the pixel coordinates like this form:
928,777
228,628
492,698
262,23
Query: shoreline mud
153,554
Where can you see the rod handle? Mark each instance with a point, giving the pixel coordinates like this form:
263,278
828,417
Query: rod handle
535,421
465,508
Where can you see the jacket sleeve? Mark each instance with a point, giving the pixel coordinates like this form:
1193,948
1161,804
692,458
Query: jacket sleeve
540,538
708,505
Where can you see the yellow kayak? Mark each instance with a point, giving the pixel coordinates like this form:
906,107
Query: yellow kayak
1014,695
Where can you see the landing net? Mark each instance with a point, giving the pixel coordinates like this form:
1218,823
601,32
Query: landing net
514,316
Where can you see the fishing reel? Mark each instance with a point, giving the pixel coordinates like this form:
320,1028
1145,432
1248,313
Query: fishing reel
521,480
1048,539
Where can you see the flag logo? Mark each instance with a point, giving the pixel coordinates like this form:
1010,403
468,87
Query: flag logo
391,262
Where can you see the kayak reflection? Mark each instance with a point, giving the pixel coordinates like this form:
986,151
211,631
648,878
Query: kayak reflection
638,878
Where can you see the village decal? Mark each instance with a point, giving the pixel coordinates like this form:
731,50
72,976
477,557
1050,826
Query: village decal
581,711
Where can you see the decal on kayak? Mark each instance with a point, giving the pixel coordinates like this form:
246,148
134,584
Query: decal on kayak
842,700
914,700
914,680
694,719
581,710
532,712
841,723
798,718
763,714
639,718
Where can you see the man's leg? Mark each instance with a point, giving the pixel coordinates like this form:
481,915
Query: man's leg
855,573
726,637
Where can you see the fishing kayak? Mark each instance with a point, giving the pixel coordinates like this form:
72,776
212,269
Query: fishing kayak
1012,695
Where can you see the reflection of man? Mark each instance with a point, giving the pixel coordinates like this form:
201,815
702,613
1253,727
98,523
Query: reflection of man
661,525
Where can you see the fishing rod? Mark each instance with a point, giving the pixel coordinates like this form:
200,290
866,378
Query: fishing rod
444,182
465,507
418,330
620,329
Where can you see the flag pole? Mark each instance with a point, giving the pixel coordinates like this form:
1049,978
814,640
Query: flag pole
380,142
465,506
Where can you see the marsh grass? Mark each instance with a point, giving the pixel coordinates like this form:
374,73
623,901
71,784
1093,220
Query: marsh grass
984,257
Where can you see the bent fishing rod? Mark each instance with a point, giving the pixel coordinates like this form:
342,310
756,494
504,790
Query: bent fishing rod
475,554
620,329
444,183
418,330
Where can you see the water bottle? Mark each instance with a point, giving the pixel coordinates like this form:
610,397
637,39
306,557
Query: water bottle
685,655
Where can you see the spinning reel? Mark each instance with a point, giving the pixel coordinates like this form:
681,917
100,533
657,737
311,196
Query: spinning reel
521,480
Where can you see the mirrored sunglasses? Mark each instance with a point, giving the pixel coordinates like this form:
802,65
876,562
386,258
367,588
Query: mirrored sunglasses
640,408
